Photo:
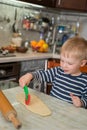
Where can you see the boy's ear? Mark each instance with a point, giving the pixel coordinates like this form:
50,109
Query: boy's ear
83,62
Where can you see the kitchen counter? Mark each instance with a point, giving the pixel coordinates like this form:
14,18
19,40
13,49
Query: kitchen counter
64,115
27,56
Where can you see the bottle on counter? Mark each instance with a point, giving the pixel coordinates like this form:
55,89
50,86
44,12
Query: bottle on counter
64,38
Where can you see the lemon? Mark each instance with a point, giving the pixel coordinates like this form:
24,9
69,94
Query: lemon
43,48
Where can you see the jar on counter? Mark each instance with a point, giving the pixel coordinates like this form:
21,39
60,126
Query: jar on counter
17,39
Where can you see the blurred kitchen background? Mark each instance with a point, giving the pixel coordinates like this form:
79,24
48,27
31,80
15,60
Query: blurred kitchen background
34,23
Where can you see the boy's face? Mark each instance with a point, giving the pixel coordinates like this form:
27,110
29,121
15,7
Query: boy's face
70,65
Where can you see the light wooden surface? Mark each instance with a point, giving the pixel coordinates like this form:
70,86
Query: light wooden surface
64,115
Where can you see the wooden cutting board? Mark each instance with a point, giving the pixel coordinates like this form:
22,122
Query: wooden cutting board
36,105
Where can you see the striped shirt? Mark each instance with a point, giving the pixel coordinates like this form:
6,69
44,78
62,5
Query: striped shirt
64,84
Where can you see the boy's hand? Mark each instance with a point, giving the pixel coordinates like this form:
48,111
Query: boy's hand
25,79
76,100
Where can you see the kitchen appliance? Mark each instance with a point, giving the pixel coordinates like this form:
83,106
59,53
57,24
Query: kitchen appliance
9,74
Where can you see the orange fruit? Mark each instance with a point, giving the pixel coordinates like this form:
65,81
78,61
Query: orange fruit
33,43
41,49
40,43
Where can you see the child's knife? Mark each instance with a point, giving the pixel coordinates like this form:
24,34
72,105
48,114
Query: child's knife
27,95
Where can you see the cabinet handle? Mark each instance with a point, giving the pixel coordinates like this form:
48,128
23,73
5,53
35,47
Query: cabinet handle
59,2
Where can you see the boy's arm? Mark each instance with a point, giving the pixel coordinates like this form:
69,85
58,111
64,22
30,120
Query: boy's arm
45,76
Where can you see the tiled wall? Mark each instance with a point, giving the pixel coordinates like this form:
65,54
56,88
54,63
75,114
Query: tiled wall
8,12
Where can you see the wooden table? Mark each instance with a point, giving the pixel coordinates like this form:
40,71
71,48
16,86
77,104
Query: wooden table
64,115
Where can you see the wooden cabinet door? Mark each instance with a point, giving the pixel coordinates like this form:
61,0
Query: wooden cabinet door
84,69
47,3
86,6
53,63
71,4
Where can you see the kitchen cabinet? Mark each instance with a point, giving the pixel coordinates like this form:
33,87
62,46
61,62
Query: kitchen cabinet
53,63
79,5
84,69
56,62
47,3
86,6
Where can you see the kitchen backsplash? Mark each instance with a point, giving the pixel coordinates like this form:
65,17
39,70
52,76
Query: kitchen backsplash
32,28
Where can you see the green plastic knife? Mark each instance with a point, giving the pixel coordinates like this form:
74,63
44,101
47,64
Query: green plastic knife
27,95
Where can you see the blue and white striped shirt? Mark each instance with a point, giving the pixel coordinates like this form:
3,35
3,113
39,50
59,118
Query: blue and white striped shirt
64,84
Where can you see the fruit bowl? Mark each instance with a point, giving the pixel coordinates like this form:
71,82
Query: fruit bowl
35,48
10,48
40,46
21,49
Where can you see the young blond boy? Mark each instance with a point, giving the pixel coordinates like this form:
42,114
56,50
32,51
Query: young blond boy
68,82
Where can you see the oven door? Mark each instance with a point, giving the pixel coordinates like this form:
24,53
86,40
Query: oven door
6,84
9,75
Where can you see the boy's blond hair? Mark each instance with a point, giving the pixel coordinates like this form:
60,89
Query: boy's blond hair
76,47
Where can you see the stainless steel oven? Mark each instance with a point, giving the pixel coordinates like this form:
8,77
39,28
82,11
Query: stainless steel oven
9,74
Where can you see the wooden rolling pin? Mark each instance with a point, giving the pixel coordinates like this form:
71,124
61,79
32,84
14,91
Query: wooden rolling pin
8,111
